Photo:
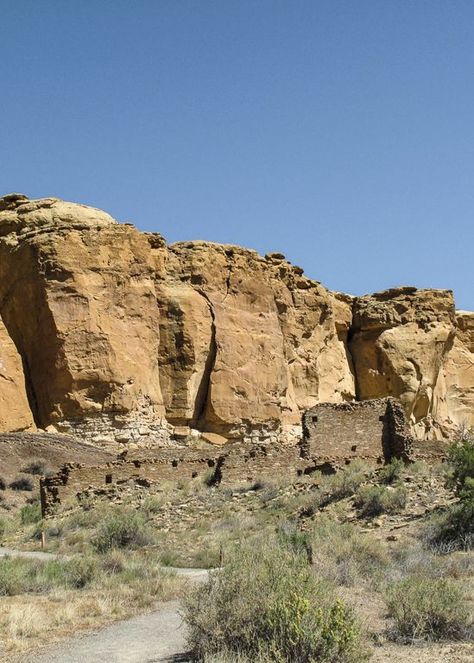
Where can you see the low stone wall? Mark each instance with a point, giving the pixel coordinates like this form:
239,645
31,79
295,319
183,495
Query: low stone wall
166,465
243,463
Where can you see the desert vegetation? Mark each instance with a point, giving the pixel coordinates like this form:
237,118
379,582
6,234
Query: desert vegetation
267,604
302,562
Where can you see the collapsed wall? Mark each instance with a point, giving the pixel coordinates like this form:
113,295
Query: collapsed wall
114,336
334,435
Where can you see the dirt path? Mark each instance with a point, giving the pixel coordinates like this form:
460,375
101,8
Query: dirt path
156,637
152,638
9,552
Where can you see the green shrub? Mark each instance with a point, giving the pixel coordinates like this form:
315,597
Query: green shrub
22,483
453,529
22,576
81,571
392,472
30,513
14,576
375,500
336,487
152,504
122,530
427,608
267,603
461,462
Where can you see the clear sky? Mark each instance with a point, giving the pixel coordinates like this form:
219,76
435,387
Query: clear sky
340,133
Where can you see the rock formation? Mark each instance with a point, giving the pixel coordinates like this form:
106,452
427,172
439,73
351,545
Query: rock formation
15,413
112,334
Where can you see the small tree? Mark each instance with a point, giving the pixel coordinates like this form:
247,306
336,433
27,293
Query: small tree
461,460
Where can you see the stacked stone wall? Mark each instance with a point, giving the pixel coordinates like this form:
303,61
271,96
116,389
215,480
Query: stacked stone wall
373,430
333,434
169,465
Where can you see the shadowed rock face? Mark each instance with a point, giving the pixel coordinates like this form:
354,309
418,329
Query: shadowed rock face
15,413
113,334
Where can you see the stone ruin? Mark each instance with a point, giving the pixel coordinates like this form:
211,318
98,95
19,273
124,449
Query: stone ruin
333,436
372,430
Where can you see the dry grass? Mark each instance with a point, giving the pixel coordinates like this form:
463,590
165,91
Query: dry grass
192,522
121,585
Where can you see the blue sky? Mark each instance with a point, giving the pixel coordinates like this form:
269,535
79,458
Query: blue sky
340,133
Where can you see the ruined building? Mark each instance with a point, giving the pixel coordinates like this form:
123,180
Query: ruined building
334,435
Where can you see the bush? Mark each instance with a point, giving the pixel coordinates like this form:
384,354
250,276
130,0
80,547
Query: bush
30,513
122,530
3,484
80,571
461,461
36,467
22,576
375,500
342,554
453,529
22,483
267,603
427,608
336,487
392,472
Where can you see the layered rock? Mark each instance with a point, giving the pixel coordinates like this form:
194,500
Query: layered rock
124,338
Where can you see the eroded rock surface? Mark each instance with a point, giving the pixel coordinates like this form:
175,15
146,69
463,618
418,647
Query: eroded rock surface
15,413
124,338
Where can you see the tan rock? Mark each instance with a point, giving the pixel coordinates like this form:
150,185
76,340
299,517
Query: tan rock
456,390
15,413
126,338
81,308
214,438
401,339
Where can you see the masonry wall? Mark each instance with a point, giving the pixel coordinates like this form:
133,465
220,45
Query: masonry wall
169,465
244,464
333,434
373,430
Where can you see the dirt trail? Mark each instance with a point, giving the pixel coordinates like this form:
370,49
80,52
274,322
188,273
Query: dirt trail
29,554
153,638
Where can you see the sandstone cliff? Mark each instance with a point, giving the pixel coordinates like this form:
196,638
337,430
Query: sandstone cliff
111,333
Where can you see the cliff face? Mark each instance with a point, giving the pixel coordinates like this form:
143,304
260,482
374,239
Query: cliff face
113,334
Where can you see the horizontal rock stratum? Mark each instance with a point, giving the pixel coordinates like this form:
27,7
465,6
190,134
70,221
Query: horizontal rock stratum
113,334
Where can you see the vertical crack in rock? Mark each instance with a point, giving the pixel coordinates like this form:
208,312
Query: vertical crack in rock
350,355
30,390
203,392
229,254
